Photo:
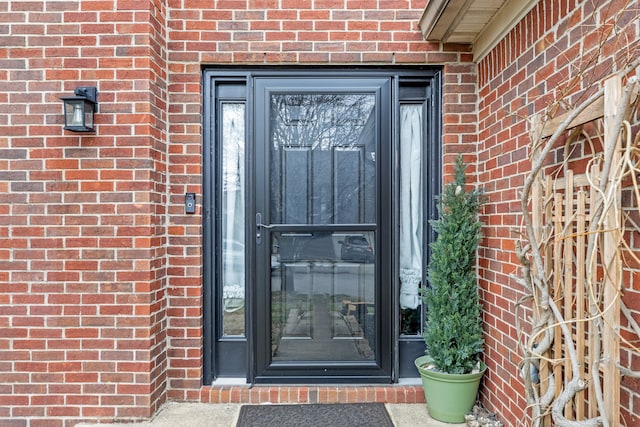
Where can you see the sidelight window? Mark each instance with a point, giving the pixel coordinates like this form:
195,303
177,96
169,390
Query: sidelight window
232,213
411,217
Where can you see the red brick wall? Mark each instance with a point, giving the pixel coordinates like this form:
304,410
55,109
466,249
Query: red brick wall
517,79
247,33
100,269
83,255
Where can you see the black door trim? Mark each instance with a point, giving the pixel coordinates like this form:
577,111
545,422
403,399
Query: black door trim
402,347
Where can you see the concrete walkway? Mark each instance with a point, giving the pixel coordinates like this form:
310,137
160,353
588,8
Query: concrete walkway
174,414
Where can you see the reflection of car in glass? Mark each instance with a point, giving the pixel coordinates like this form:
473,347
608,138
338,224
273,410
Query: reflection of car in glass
306,247
356,248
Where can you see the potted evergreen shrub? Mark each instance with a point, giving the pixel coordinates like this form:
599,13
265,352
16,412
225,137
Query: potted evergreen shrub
451,369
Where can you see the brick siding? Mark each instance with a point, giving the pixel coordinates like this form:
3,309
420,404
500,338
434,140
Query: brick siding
313,394
239,33
100,270
83,267
519,78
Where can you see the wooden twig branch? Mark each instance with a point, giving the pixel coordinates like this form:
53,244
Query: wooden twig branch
540,280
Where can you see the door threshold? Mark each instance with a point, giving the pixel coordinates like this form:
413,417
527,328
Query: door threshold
239,381
410,381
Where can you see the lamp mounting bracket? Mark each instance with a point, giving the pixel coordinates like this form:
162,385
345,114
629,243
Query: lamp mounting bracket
88,92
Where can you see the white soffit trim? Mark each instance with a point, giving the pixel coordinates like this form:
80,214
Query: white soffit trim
482,23
432,17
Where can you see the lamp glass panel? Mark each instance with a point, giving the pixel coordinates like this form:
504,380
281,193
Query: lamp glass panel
76,119
88,114
73,112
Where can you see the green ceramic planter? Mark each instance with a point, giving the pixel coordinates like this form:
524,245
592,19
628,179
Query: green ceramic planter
449,396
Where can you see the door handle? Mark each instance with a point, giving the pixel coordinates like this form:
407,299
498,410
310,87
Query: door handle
259,227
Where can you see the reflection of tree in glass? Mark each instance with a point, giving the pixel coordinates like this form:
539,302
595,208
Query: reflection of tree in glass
326,145
319,120
233,137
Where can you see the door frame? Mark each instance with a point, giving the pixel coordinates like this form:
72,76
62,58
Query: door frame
402,349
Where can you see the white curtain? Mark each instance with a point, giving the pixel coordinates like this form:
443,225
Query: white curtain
410,205
233,209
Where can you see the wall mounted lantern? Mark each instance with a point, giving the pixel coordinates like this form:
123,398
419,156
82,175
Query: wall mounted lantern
78,110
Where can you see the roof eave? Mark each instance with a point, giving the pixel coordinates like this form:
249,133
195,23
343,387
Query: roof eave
440,19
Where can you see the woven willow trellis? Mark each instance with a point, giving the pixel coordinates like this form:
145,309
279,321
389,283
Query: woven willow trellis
573,264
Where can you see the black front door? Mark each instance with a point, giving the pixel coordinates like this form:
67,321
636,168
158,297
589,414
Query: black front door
322,219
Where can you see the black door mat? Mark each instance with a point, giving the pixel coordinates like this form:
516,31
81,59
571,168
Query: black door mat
315,415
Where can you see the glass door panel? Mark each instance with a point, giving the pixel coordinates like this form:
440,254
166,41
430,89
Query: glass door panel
323,297
322,150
